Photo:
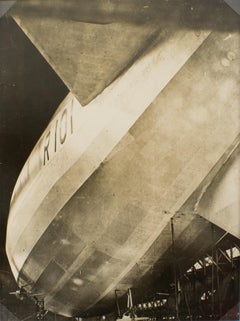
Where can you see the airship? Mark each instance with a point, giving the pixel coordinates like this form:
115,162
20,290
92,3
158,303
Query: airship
94,207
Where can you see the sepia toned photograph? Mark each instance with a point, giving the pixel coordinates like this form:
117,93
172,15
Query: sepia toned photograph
120,160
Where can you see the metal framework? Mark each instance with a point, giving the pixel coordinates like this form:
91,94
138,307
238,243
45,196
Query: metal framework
206,291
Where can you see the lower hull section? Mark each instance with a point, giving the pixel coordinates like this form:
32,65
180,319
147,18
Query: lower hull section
77,278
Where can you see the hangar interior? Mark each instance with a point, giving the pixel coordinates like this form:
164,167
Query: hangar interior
128,205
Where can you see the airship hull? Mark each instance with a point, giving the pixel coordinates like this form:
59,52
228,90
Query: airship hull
104,181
